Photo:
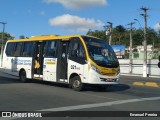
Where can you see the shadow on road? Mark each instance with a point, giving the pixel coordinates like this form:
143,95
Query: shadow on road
118,87
8,80
110,88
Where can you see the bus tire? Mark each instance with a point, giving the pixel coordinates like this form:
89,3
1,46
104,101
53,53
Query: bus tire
22,76
76,83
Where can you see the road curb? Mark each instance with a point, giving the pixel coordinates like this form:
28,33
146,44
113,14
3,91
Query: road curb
139,75
147,84
138,83
151,84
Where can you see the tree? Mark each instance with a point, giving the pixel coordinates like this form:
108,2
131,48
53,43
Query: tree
138,37
22,37
120,35
97,33
7,36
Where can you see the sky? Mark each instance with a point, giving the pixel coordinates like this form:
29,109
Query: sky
65,17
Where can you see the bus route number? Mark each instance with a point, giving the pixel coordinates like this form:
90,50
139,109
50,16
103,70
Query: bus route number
73,66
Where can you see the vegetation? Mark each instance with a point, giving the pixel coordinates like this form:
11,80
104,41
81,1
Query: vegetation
22,37
6,37
121,35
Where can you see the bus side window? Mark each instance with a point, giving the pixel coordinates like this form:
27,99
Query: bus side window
76,49
27,49
18,49
10,49
50,49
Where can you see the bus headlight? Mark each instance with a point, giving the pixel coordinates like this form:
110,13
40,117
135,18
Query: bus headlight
95,68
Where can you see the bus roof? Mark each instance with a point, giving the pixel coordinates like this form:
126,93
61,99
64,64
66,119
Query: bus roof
47,37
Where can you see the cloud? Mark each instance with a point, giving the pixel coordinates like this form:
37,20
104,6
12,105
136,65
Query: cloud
78,4
75,23
157,26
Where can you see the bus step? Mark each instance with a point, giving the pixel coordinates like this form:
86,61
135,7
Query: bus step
38,78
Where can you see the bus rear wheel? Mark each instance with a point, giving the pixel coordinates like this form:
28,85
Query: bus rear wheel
76,84
22,76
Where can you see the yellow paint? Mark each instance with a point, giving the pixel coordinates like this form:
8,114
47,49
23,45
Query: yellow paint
37,65
45,37
138,83
151,84
105,71
51,63
108,71
89,67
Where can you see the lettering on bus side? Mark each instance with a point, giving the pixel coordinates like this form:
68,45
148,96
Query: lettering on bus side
21,62
75,67
50,61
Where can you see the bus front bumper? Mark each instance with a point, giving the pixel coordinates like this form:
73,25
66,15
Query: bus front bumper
96,78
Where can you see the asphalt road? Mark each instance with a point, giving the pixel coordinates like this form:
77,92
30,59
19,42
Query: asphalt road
44,96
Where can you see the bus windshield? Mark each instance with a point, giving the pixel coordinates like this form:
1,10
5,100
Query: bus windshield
101,52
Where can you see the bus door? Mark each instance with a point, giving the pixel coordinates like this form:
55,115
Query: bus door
38,59
62,63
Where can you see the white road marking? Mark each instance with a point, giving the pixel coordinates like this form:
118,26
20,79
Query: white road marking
118,102
86,106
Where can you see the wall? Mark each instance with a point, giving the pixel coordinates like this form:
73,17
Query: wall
137,67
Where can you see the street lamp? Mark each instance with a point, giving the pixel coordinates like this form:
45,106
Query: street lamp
138,23
110,30
2,41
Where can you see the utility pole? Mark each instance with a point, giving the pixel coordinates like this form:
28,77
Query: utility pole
145,41
2,41
130,53
110,30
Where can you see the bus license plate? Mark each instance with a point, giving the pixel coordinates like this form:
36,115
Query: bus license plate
110,80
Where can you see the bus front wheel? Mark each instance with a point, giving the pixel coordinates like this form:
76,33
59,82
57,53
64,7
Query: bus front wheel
22,76
76,84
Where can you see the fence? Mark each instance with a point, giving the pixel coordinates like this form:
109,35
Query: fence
137,67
